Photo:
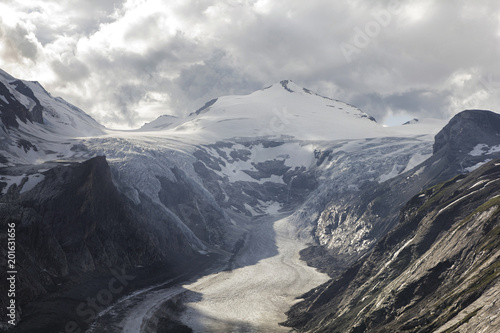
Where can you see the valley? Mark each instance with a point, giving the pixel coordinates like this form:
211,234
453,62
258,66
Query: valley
248,292
228,216
266,278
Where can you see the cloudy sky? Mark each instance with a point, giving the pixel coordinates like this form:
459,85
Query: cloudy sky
126,62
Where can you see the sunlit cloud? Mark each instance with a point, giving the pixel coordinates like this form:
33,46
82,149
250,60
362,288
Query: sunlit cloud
127,62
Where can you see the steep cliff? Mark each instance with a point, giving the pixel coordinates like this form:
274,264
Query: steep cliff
436,271
351,223
74,225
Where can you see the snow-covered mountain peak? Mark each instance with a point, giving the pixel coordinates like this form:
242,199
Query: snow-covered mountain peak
36,125
284,110
162,122
6,75
24,102
410,122
290,87
287,85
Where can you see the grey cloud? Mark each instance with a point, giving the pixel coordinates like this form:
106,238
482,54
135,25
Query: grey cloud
407,64
427,102
17,44
213,78
85,16
410,66
126,97
53,18
419,103
126,78
72,70
145,30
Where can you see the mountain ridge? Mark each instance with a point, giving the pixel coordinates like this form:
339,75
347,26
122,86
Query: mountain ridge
205,184
454,226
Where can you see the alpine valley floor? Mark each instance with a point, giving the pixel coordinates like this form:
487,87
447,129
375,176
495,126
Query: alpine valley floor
248,292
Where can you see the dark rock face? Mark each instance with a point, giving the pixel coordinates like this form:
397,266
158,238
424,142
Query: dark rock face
267,169
26,91
468,129
469,140
13,110
206,107
186,200
284,84
75,224
26,145
437,268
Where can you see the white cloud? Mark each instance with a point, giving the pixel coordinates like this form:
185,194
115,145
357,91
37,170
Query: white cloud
125,62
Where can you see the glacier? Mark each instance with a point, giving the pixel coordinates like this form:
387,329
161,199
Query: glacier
271,161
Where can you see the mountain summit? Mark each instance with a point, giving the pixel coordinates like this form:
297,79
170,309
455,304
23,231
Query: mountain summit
282,110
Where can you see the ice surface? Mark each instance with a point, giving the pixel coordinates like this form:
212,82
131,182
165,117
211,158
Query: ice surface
265,280
416,160
478,150
33,180
484,149
254,296
10,180
396,170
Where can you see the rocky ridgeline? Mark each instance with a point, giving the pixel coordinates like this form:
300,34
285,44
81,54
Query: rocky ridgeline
436,269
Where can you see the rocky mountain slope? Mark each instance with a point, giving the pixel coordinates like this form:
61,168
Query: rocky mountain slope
74,224
88,200
37,127
435,271
351,223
